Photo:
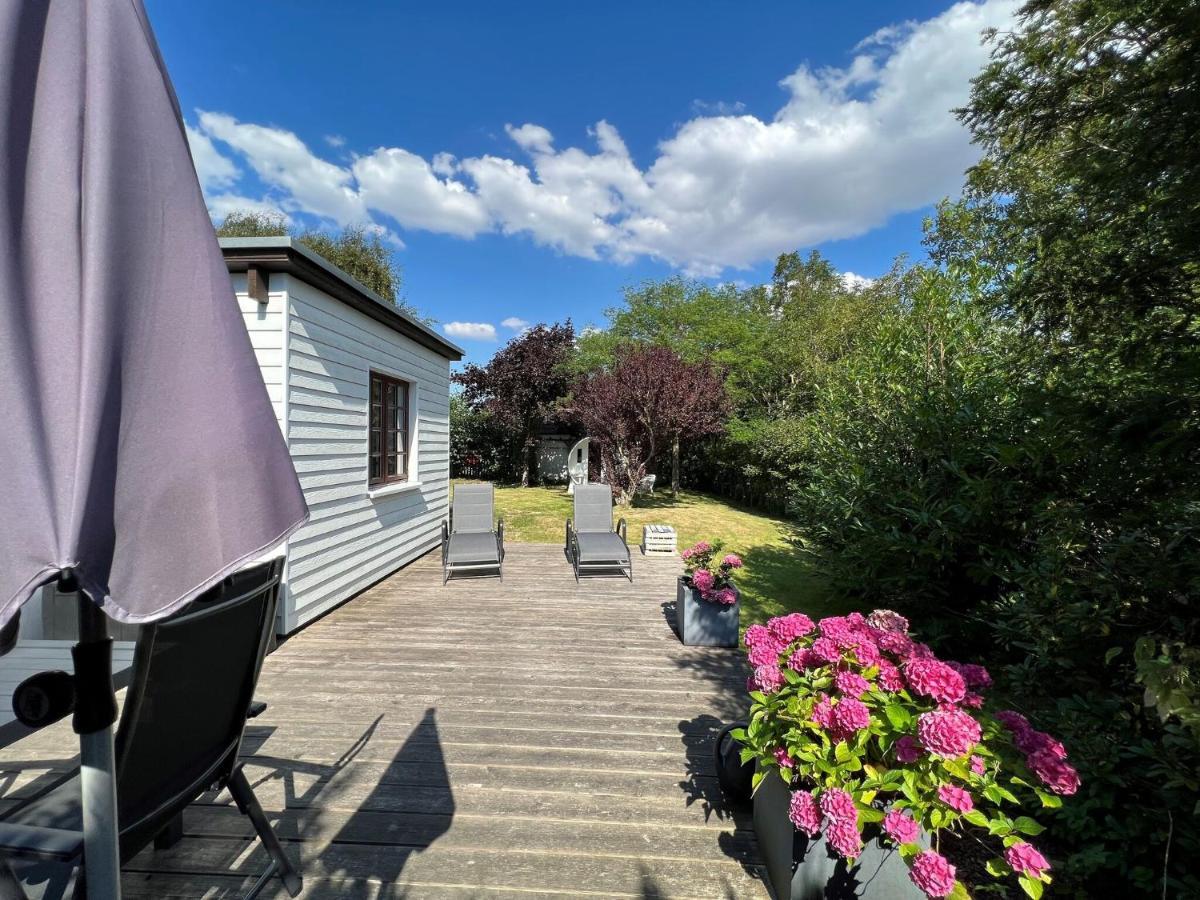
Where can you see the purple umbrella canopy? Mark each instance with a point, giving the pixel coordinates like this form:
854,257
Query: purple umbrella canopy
138,444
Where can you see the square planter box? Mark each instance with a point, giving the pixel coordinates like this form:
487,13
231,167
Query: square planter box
804,868
703,623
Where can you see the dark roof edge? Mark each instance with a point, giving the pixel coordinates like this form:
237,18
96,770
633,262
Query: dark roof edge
283,254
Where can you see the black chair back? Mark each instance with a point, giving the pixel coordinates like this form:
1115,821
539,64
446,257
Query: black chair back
194,676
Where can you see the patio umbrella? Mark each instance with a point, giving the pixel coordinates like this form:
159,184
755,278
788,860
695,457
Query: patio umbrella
140,455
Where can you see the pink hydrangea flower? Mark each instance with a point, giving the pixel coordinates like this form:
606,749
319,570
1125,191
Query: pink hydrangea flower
788,628
757,634
849,717
866,653
702,580
948,733
838,806
899,645
900,827
956,798
921,651
804,813
783,758
803,659
887,620
890,678
826,649
726,596
838,630
907,750
934,679
975,676
1031,741
972,700
732,560
932,873
844,838
768,679
1057,774
851,683
977,765
1026,860
822,712
1013,721
763,655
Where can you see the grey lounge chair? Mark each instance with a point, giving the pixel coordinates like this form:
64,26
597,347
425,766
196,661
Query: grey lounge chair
469,542
179,736
592,545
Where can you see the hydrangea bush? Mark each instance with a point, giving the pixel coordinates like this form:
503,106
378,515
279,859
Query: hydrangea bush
870,729
714,582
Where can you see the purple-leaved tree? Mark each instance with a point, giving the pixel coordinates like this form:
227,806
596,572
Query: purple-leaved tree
648,401
520,385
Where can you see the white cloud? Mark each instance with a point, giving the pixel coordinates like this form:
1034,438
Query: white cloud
214,170
405,186
515,324
854,282
531,137
335,140
848,148
471,331
221,205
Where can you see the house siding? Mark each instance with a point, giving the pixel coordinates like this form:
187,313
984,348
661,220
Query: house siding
352,538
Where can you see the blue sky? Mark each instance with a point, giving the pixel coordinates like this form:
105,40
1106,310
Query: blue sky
528,163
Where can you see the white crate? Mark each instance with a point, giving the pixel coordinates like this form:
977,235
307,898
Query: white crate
658,540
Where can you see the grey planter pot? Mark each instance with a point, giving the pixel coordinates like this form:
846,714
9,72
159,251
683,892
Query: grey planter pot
804,868
703,623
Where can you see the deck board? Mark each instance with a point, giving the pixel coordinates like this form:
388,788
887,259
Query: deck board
531,738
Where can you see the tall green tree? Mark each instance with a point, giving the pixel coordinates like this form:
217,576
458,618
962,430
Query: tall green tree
357,251
1085,207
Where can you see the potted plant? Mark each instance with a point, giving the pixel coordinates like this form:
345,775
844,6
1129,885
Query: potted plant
870,751
707,601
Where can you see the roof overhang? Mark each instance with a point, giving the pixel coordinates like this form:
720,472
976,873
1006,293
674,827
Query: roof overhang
260,256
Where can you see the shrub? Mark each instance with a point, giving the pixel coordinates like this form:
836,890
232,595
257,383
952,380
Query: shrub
868,728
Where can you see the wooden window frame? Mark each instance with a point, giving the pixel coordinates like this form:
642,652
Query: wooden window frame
390,409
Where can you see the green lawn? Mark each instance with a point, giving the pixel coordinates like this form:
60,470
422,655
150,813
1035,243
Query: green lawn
775,580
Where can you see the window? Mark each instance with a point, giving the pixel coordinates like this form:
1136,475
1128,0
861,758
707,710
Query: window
387,461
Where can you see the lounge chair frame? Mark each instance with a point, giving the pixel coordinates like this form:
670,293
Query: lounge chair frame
473,494
622,563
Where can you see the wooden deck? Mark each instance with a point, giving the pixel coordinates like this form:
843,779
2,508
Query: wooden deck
531,738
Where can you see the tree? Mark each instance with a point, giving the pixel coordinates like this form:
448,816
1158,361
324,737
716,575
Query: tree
519,387
650,397
356,250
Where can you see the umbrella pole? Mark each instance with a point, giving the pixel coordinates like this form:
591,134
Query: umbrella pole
95,712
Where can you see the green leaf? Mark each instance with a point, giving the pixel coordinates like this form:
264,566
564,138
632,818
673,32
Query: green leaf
1031,887
998,868
975,817
1049,801
897,715
870,814
908,852
959,892
1026,825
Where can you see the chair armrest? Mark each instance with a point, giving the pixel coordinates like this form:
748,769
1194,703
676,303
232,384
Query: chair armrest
500,534
34,842
257,708
623,531
567,542
445,538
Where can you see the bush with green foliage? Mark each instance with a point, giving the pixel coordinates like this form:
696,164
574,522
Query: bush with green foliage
356,250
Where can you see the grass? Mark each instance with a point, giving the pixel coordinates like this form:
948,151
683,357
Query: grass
776,579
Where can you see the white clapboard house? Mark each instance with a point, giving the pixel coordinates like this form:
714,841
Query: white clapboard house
361,391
